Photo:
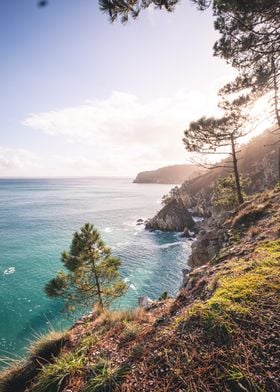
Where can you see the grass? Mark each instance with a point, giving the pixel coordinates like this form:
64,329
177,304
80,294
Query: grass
105,377
12,378
48,346
110,318
53,376
87,342
131,331
21,372
239,288
249,214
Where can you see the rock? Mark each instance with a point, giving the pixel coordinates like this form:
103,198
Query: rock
210,240
140,220
145,302
172,217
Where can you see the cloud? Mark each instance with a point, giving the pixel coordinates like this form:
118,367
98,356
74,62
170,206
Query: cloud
124,128
15,160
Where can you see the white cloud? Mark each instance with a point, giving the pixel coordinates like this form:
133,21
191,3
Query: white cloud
125,132
15,160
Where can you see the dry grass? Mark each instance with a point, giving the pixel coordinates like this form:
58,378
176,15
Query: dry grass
48,346
111,318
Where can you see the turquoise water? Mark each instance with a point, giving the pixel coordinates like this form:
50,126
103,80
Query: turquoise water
37,220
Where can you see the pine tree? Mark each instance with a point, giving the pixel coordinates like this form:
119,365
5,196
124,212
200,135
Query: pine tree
209,134
92,272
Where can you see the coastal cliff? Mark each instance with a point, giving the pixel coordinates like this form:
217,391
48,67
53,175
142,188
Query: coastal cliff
175,174
173,217
197,194
221,332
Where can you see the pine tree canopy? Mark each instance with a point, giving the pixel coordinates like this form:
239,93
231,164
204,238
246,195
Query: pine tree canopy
92,272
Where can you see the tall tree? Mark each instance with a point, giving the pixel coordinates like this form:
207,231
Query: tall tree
93,273
209,134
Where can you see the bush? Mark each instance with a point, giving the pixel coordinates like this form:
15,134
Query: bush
53,376
105,377
225,195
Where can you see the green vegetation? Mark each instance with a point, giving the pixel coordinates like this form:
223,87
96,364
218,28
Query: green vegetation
41,352
164,296
174,194
105,377
93,273
224,193
240,287
53,376
209,135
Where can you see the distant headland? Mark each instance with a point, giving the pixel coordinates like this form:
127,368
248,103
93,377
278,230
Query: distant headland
175,174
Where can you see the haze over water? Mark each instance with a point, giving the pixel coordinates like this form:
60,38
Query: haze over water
37,220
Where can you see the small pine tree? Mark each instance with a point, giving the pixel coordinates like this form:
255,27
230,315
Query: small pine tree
174,194
224,194
93,273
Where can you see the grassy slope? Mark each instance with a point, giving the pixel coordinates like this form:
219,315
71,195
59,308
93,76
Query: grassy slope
220,334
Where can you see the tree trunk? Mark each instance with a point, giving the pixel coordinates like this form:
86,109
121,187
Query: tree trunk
279,164
98,290
276,103
276,90
236,173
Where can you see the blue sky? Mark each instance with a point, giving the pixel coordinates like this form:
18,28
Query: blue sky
81,96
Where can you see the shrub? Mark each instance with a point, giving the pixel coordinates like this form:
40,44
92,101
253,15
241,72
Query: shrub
53,376
105,377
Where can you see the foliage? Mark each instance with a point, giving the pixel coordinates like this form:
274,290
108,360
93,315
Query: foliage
53,376
105,377
174,194
240,286
224,194
132,8
209,135
164,296
93,273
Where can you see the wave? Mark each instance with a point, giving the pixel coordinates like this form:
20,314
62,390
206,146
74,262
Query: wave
171,244
131,285
9,271
107,230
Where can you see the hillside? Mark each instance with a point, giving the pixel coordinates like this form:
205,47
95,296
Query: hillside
220,334
175,174
258,160
196,194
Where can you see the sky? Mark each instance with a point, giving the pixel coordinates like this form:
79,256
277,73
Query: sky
83,97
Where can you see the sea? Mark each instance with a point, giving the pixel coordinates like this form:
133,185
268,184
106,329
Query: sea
37,221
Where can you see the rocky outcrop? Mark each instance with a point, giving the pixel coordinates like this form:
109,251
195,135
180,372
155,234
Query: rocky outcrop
207,246
224,230
173,217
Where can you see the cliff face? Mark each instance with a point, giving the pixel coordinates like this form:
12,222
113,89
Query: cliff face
175,174
221,333
173,217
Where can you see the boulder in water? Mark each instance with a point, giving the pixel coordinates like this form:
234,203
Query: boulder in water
172,217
